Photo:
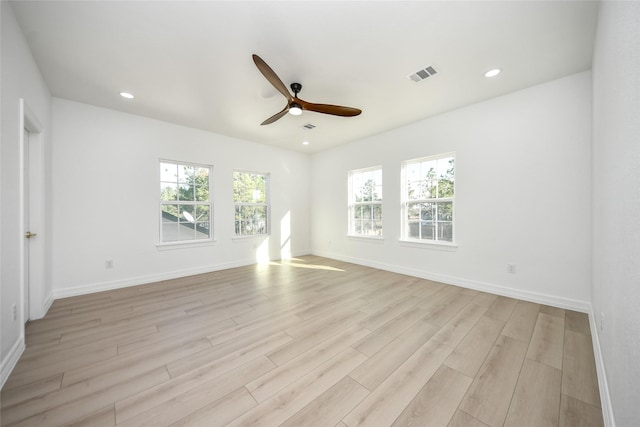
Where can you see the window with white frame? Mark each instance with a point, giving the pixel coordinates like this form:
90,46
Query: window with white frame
251,198
429,198
185,202
365,202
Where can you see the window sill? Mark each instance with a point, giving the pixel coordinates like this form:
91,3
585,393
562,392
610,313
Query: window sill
438,246
371,239
250,237
169,246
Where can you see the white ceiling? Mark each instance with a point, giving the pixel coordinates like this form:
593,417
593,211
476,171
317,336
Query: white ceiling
190,62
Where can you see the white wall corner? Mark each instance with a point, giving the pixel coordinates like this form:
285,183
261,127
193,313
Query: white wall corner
46,305
10,362
603,385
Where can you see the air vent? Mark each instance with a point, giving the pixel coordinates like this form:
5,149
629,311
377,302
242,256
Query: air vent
309,126
420,75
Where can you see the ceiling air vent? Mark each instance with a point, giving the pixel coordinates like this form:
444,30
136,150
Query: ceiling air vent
420,75
309,126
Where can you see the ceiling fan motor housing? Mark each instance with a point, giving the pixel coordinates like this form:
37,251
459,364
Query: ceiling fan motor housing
296,87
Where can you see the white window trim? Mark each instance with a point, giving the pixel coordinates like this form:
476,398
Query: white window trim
267,203
184,244
351,205
403,208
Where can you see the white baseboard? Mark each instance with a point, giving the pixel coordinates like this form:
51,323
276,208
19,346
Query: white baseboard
142,280
605,397
556,301
9,362
47,304
44,308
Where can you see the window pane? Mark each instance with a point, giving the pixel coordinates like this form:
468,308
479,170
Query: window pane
186,174
413,190
377,212
168,191
427,190
260,220
170,231
357,212
202,213
413,211
202,193
412,172
182,183
202,230
428,169
427,211
446,168
366,187
168,172
170,213
445,211
445,231
187,214
445,188
429,180
377,228
366,212
249,187
413,230
427,230
186,192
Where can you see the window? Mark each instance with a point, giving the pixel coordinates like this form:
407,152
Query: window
251,198
365,202
185,202
428,198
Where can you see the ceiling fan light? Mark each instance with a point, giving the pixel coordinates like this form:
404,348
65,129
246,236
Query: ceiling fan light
295,109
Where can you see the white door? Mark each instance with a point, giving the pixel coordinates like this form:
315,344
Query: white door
27,230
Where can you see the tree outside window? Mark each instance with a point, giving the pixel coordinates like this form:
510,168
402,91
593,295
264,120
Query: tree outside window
429,197
365,202
251,198
185,202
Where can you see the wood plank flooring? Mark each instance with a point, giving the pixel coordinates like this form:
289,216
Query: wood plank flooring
308,342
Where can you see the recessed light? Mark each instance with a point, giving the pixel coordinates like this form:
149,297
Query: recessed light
305,142
126,95
492,73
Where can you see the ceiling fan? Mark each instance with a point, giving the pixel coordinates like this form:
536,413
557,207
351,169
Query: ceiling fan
295,105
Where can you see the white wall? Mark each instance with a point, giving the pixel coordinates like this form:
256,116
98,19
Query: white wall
616,202
20,79
522,195
106,198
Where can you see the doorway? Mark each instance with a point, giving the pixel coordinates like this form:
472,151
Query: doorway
32,215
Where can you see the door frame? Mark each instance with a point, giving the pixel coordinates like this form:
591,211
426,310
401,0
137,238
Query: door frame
35,281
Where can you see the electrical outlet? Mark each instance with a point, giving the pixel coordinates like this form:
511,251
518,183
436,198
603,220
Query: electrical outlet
14,312
601,321
511,268
108,263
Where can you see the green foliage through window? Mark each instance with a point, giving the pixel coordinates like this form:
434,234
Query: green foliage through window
429,198
185,202
365,202
250,195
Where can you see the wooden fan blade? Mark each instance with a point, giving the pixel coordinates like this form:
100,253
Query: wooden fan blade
336,110
276,116
272,77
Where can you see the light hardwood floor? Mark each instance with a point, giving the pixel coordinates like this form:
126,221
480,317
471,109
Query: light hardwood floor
310,342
